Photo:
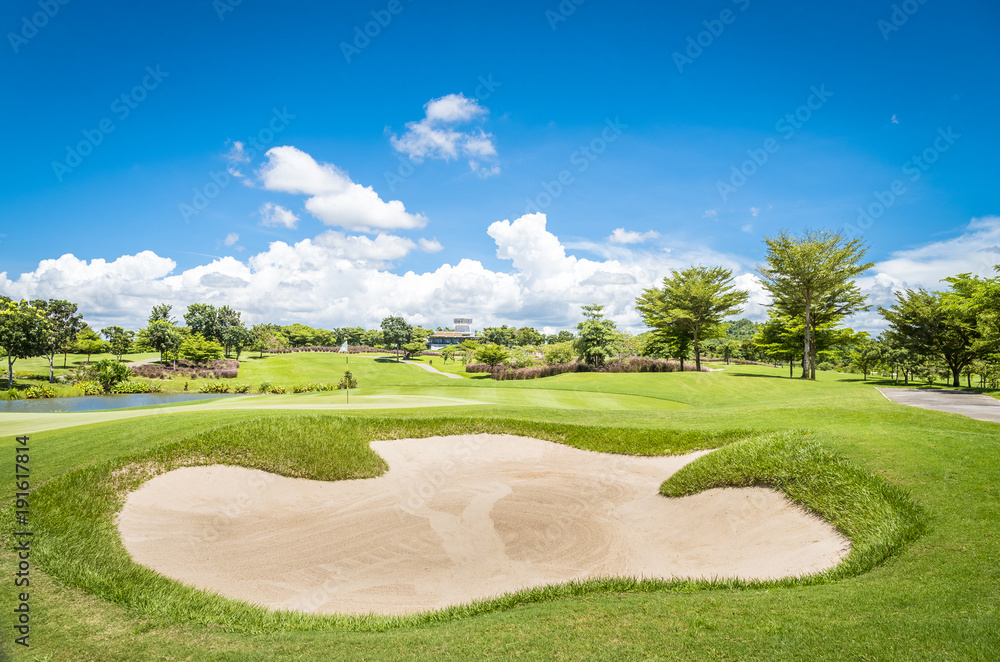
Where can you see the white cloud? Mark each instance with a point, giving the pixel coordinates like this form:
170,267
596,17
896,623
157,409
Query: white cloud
237,153
335,199
755,211
337,279
711,213
430,245
272,215
747,227
453,108
231,239
623,236
435,136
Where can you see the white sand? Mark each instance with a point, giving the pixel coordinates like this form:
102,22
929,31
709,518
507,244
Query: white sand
456,519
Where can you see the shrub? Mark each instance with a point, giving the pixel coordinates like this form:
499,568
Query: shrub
268,387
559,353
477,367
241,388
492,354
110,373
631,364
348,381
36,392
200,350
12,394
130,387
90,388
214,387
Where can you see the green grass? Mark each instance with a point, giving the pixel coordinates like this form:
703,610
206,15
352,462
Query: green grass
935,597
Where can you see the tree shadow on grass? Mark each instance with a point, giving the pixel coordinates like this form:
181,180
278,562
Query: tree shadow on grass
745,374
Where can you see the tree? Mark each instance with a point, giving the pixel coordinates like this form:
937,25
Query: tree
695,300
499,335
63,325
119,340
23,333
396,332
160,312
267,337
811,277
562,336
780,338
299,335
415,347
162,336
526,336
373,338
491,354
868,356
670,343
932,324
88,342
596,335
199,349
203,320
237,338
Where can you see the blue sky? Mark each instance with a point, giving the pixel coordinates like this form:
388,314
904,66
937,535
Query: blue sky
504,160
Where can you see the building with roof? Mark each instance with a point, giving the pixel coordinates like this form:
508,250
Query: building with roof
463,331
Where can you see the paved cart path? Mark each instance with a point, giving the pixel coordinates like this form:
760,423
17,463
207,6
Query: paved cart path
434,370
973,405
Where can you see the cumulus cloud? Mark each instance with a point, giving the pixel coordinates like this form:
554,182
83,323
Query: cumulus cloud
925,266
623,236
276,216
334,198
231,239
436,136
336,279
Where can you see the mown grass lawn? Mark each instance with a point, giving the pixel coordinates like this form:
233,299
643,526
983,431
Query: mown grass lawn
937,599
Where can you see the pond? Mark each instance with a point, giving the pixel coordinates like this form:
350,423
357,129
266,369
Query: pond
99,402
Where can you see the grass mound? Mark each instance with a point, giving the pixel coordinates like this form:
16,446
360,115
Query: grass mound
878,518
78,543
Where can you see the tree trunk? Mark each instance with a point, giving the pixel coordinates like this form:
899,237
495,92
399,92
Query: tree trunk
956,374
791,365
697,353
807,344
52,375
64,357
10,371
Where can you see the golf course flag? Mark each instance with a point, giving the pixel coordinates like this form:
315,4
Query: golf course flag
343,348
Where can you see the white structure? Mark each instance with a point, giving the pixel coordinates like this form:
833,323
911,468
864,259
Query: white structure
463,331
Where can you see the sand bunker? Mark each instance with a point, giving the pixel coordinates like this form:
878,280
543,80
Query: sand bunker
457,519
